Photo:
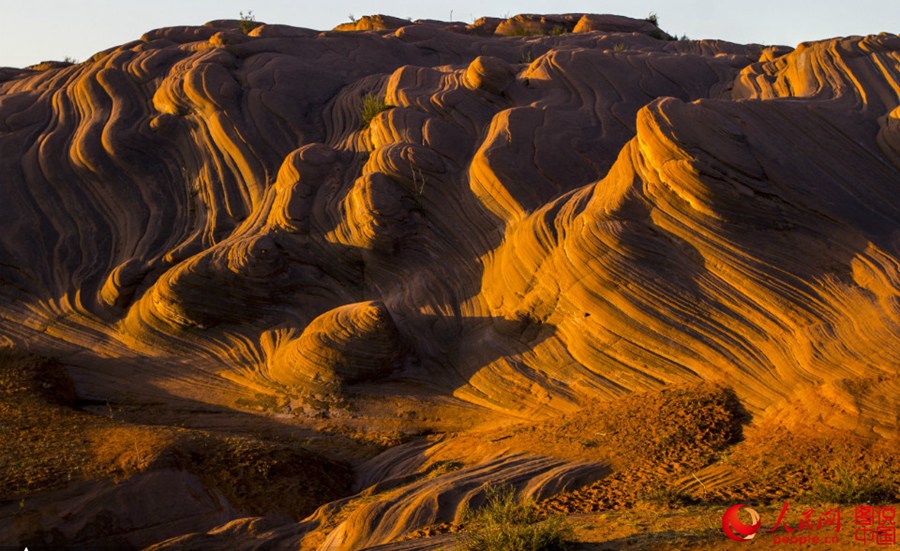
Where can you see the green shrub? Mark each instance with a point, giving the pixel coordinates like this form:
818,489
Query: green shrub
371,106
506,524
247,22
851,486
557,30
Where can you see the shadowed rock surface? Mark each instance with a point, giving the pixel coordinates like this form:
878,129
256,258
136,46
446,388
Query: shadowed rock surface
547,210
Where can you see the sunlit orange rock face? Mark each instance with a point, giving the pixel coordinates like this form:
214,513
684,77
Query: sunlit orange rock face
546,210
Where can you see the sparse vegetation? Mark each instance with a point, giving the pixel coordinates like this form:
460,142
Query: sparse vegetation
506,524
557,30
846,485
657,33
260,402
619,47
371,106
247,22
264,477
49,443
664,495
440,468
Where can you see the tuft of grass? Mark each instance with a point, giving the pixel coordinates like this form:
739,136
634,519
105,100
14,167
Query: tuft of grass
441,468
557,30
522,31
665,495
619,47
846,485
506,524
248,22
371,106
260,402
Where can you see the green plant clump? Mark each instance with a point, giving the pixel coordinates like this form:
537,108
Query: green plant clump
441,468
848,486
248,22
506,524
665,496
371,106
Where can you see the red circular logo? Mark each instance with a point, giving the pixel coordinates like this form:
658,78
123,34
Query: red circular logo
737,530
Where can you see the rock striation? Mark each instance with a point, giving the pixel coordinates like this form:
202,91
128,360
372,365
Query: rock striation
585,212
539,211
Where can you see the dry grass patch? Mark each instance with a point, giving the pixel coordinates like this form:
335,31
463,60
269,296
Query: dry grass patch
505,523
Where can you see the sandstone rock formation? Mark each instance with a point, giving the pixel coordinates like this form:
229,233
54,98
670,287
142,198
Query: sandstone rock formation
547,210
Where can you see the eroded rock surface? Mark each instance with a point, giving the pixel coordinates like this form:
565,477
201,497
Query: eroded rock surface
543,210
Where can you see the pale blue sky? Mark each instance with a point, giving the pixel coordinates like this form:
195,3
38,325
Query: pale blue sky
43,30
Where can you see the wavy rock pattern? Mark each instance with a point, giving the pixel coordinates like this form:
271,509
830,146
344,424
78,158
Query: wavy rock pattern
345,345
548,228
446,498
136,511
533,220
395,506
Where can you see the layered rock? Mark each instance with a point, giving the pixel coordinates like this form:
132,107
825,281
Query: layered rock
349,344
521,213
218,197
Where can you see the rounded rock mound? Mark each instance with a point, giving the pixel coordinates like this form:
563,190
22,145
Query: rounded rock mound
346,345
